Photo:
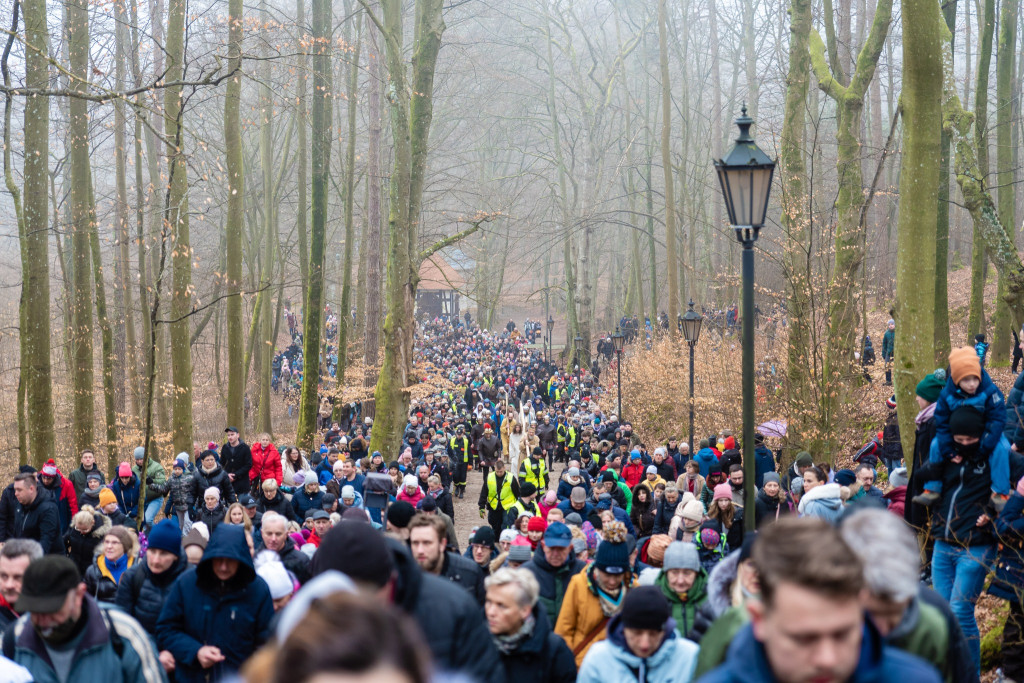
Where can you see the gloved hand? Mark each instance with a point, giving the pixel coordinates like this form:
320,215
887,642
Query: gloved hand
149,481
481,513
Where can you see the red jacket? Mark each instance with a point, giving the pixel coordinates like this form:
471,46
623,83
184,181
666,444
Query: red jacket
266,463
633,473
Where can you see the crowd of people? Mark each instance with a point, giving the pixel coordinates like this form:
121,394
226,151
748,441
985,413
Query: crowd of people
592,557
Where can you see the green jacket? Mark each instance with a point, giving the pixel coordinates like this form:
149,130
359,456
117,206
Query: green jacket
923,632
715,643
159,486
685,613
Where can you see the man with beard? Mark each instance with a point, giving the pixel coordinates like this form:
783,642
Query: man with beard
15,557
427,540
64,635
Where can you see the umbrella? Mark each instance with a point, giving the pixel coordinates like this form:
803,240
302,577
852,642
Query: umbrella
773,428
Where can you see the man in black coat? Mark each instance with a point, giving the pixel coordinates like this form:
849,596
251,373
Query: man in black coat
274,536
236,459
9,506
449,618
536,655
428,542
36,517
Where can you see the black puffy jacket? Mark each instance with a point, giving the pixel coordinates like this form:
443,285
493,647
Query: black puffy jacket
39,522
464,573
293,559
456,634
141,593
278,504
100,583
965,497
542,658
81,548
203,480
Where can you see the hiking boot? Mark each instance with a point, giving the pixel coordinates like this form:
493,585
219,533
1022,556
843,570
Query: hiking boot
926,499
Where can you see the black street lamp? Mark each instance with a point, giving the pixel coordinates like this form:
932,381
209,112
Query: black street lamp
745,174
551,329
617,342
691,332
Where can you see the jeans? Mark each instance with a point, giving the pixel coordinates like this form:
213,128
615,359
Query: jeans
152,510
958,574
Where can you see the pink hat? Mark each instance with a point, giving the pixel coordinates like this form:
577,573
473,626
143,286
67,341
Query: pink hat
124,470
722,491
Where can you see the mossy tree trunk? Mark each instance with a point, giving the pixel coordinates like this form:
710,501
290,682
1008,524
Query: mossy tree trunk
921,99
796,221
83,216
666,164
941,317
1002,324
235,217
266,150
320,124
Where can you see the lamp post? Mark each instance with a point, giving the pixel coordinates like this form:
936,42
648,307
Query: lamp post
617,341
745,174
691,332
551,329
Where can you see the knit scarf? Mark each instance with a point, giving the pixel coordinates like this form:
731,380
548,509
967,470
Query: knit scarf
610,604
925,415
509,642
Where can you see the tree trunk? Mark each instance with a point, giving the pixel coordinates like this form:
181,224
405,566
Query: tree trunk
919,185
1002,324
411,116
666,164
986,30
235,214
796,221
178,228
372,246
266,148
83,216
941,307
321,158
106,337
303,161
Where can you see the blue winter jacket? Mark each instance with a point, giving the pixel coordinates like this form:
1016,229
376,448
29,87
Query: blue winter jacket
988,399
302,501
200,609
764,462
127,496
705,459
1009,580
879,663
1014,428
611,659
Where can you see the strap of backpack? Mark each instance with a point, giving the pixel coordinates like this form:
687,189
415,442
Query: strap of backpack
116,641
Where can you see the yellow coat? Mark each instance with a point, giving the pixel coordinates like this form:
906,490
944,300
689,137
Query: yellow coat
580,614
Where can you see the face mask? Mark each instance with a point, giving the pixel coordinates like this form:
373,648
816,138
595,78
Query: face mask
967,451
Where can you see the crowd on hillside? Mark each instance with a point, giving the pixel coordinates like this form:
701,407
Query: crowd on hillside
595,556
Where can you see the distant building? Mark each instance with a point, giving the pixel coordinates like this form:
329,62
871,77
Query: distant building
439,287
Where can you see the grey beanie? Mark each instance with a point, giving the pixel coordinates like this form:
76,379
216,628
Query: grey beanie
796,485
899,477
574,519
770,476
681,555
579,545
519,553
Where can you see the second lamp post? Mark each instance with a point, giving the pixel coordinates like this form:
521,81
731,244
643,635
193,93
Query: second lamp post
691,332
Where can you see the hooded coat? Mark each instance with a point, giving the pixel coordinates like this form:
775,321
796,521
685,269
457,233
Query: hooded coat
127,496
200,609
302,501
202,480
685,614
100,581
612,660
823,502
705,458
81,548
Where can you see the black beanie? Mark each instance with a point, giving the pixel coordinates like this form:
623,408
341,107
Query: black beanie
645,608
400,514
967,421
358,550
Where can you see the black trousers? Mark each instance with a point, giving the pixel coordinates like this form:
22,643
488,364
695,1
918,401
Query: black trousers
460,475
1013,642
496,518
